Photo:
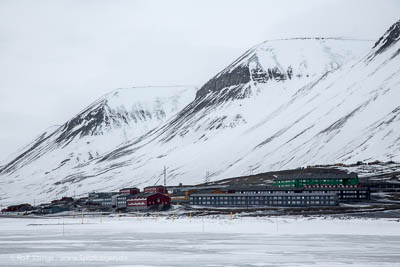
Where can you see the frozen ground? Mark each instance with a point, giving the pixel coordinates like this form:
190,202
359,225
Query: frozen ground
138,241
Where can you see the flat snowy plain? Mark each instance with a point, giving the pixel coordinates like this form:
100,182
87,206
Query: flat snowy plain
145,241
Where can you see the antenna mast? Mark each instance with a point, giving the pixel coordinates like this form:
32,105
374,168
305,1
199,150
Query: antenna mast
165,176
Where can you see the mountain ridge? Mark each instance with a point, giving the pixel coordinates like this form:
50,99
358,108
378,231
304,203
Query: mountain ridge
105,114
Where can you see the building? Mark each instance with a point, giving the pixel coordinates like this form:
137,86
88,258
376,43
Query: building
317,180
63,200
345,194
51,209
103,199
179,197
156,189
279,199
181,188
18,208
130,191
119,201
383,186
151,200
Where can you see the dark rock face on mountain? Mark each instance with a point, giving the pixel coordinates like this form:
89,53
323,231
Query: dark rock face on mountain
391,36
237,76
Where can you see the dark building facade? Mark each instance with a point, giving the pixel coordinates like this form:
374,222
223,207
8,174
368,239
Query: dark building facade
345,194
130,191
272,199
317,179
147,201
103,199
156,189
119,201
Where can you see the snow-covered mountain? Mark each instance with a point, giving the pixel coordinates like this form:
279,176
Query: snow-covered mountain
283,104
115,118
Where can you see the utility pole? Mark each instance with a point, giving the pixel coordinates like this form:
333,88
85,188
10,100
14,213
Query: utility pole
165,176
251,170
207,178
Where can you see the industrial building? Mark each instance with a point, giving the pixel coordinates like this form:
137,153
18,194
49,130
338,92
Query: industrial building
119,201
257,200
103,199
345,194
320,189
152,200
316,179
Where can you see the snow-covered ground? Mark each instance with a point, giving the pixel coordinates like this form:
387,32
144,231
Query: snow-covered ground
139,241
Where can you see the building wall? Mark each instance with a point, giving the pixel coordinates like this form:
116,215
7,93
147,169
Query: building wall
156,189
246,200
158,199
121,202
145,202
106,202
315,182
136,202
130,191
344,193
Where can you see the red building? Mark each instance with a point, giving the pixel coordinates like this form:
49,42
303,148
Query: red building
156,188
130,191
18,208
148,200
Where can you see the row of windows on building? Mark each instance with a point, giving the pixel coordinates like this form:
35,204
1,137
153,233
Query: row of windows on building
263,192
311,180
106,202
317,200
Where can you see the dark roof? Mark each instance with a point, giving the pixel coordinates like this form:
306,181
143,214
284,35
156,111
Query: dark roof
317,176
129,188
152,186
103,194
245,188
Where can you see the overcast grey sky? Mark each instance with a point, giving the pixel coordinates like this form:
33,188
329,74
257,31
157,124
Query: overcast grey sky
58,56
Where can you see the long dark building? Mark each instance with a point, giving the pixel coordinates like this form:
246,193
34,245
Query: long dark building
345,194
320,189
272,199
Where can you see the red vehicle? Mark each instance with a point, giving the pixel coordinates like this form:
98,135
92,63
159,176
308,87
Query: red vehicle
156,188
148,200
